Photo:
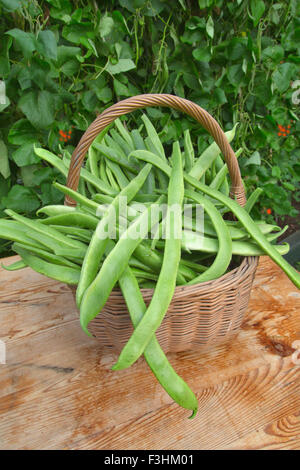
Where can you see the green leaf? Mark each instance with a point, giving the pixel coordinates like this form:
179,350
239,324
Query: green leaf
50,195
21,199
27,174
123,65
22,132
25,155
75,32
282,76
276,53
4,163
220,96
4,100
120,89
106,26
257,10
25,41
202,54
235,74
38,107
210,27
70,68
89,100
64,53
10,5
254,159
46,44
5,105
104,94
41,175
4,66
276,172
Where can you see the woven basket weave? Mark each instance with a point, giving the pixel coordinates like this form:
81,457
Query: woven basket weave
199,316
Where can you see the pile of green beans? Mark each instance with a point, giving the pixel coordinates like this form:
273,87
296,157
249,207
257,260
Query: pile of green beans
72,244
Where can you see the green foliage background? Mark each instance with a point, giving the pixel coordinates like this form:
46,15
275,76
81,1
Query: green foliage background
64,61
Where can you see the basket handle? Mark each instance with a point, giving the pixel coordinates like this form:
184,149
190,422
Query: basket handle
140,101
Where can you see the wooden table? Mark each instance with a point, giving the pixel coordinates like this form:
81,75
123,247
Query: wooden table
57,390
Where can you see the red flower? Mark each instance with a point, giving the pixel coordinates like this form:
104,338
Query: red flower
65,136
269,211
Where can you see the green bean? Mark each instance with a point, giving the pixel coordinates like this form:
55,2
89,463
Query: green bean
111,178
116,157
138,141
154,259
51,233
14,231
55,259
14,266
74,232
64,274
93,155
113,144
84,201
114,264
188,151
102,170
118,174
220,177
55,209
192,241
252,199
136,263
146,284
140,273
98,242
125,149
50,239
124,133
251,228
152,158
139,144
153,137
86,175
240,213
76,218
177,389
224,253
208,156
196,267
166,283
274,236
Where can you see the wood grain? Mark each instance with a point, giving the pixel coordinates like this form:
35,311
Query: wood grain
57,390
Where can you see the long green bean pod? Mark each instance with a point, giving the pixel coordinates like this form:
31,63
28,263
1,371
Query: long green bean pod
114,264
224,253
174,385
251,228
95,251
208,156
64,274
166,283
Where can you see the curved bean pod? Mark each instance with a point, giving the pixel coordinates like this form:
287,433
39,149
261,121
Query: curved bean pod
174,385
166,283
224,253
95,251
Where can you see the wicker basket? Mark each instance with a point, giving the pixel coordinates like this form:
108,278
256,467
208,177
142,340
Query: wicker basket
199,316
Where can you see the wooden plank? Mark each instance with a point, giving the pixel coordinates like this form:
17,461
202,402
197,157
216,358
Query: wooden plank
57,389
